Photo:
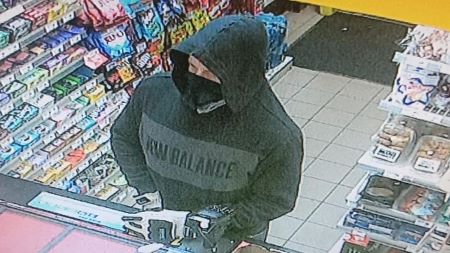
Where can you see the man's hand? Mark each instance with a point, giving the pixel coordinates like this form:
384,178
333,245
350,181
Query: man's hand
159,226
148,201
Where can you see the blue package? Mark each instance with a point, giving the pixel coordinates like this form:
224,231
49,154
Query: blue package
86,123
10,122
276,28
73,29
27,139
149,26
26,112
10,152
114,42
50,42
132,7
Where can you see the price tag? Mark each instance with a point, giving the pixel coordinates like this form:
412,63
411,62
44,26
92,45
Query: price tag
9,50
49,138
96,156
423,223
427,165
46,114
75,39
76,94
58,49
43,86
69,16
28,95
27,154
26,68
65,126
88,135
77,143
104,123
7,108
51,26
91,84
386,153
8,79
47,165
73,121
6,141
392,175
59,157
83,166
78,117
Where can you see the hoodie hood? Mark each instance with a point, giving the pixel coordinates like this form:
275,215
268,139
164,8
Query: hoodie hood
234,48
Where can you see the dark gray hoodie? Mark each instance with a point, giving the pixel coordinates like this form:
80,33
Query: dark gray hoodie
246,154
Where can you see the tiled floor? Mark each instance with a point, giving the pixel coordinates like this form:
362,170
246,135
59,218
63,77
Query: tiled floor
337,115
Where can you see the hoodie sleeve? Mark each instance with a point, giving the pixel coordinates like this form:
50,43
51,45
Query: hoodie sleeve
127,147
273,193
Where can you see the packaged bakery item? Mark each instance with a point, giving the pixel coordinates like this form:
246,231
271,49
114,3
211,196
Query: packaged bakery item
432,155
393,140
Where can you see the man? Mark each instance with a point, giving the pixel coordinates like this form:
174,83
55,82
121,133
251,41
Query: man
212,132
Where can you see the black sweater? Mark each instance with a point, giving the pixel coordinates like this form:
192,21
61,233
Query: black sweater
246,154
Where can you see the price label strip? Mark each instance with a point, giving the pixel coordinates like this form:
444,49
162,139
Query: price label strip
79,210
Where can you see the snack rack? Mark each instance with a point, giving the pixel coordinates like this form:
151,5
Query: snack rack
74,102
428,118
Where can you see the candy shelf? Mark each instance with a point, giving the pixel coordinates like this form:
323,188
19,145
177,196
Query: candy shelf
37,34
431,65
353,200
429,113
11,13
383,239
275,74
406,173
114,174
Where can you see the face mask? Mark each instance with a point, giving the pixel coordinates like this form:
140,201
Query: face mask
201,91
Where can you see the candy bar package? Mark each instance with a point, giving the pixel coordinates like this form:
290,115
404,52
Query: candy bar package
148,25
393,229
395,139
17,27
103,13
115,42
276,28
403,197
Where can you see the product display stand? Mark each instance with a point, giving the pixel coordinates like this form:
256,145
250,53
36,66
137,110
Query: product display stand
401,204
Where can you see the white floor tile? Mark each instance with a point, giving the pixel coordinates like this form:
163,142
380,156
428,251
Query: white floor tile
360,89
340,154
302,248
327,215
297,77
372,111
328,171
284,227
353,139
315,189
353,177
305,71
334,117
301,110
275,240
382,94
338,195
328,82
304,208
284,90
312,96
307,162
365,124
316,236
314,147
346,104
300,121
320,131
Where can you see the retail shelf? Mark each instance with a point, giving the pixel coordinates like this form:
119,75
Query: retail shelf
45,140
354,200
103,183
11,13
338,245
37,34
383,239
429,113
430,65
403,171
275,74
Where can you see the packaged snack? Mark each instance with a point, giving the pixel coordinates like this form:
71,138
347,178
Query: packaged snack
432,155
26,112
149,26
15,89
10,122
27,139
442,97
394,140
10,152
4,98
4,39
17,27
22,171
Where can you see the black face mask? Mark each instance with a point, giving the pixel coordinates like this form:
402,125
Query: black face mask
201,91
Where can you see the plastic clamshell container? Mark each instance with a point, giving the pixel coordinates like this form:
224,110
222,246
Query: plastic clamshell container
431,155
